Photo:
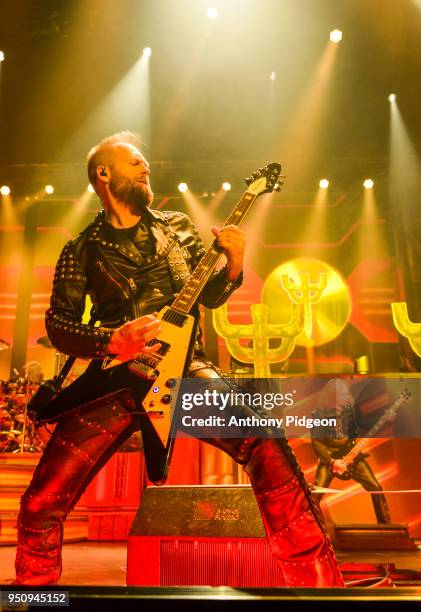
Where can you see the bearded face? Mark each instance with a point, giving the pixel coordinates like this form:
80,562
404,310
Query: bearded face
136,193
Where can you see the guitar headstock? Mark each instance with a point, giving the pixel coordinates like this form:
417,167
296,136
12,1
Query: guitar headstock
266,180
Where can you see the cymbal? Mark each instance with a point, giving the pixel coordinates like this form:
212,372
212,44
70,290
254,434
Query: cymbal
4,344
45,342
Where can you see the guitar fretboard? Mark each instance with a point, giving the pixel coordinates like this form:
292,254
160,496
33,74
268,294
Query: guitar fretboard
188,295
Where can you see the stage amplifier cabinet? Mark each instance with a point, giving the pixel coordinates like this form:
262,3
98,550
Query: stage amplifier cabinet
200,535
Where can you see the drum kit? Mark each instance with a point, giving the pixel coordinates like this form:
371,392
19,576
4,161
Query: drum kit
17,432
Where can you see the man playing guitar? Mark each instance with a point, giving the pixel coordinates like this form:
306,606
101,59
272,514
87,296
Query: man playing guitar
132,261
335,448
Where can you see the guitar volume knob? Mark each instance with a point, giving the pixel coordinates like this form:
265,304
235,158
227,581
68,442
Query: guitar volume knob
171,382
166,399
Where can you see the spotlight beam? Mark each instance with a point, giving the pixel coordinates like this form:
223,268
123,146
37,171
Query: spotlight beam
304,131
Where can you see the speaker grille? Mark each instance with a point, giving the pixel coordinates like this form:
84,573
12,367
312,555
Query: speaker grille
239,563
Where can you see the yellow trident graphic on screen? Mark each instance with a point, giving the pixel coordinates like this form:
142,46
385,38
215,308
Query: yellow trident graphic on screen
306,294
259,331
405,327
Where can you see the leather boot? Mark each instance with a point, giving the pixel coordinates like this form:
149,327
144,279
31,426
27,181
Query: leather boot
80,445
38,558
294,525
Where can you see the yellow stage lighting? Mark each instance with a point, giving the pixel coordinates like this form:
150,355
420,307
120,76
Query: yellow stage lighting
336,36
212,13
272,76
182,187
2,56
324,183
368,184
318,288
147,52
226,186
49,189
5,190
90,188
392,97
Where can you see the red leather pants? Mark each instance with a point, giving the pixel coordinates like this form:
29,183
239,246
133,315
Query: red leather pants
83,442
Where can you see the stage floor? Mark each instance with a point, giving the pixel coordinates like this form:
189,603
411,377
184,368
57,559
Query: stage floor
104,563
94,573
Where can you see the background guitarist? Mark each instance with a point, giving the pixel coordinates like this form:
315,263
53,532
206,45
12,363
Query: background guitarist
334,443
132,261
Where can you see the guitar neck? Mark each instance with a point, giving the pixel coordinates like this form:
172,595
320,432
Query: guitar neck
189,294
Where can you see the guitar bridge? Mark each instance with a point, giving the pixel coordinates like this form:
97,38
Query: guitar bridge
142,369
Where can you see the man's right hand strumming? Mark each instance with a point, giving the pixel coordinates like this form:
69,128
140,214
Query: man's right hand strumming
338,466
131,338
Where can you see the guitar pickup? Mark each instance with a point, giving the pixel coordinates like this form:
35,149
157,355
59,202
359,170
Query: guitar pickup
164,346
142,370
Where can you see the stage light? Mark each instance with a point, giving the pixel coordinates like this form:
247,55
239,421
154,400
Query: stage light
182,187
212,13
147,52
226,186
2,56
5,190
90,188
272,76
368,184
392,97
323,183
336,36
49,189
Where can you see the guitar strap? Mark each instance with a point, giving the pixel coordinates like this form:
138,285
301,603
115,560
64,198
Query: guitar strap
177,259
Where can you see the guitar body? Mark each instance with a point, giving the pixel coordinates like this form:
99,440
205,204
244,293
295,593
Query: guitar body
153,390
